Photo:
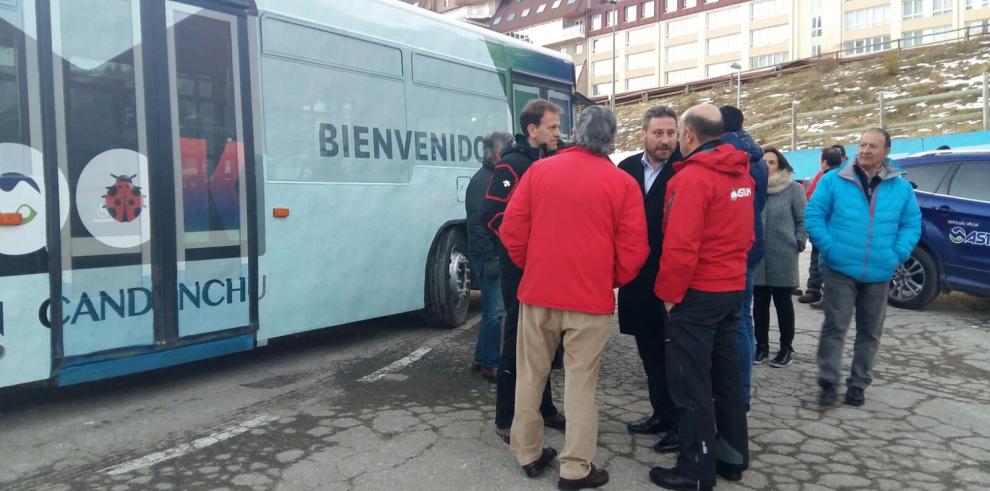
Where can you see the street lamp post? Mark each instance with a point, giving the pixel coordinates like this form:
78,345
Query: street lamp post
615,20
738,68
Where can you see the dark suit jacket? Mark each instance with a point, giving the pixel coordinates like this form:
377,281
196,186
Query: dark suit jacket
639,307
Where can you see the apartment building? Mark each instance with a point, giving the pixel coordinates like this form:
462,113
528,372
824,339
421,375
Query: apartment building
667,42
478,12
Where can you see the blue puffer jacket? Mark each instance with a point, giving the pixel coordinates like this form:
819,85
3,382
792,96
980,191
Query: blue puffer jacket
760,173
864,240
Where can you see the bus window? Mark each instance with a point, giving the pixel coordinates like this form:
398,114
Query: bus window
521,94
22,186
564,101
101,147
211,224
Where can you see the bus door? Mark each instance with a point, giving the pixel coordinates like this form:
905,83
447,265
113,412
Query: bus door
150,125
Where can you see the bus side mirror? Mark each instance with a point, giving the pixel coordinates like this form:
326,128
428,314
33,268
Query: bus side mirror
914,185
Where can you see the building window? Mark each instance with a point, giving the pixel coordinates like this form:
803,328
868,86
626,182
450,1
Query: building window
681,76
769,35
648,10
767,60
645,35
719,69
641,60
939,34
816,26
977,4
911,39
596,22
599,45
510,17
631,13
541,8
681,27
498,20
612,16
669,5
556,3
601,67
682,52
563,49
578,48
913,9
861,19
603,89
525,13
868,45
816,50
723,18
639,83
690,3
768,8
942,7
978,27
723,44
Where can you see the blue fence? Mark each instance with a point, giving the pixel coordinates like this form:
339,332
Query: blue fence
805,162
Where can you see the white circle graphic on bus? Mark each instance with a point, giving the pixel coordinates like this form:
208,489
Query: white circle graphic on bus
22,191
112,198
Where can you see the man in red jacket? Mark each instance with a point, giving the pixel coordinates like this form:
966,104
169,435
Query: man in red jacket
707,233
576,227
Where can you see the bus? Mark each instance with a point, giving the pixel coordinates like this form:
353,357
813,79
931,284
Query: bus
184,179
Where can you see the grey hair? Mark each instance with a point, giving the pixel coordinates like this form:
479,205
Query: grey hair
658,112
595,130
495,142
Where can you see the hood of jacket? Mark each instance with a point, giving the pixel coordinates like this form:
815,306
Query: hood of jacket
719,157
743,141
889,170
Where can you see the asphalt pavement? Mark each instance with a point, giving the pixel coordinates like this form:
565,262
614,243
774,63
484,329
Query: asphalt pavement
390,404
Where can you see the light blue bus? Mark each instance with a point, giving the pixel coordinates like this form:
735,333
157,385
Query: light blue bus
186,179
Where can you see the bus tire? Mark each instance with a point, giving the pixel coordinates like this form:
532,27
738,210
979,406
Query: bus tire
448,280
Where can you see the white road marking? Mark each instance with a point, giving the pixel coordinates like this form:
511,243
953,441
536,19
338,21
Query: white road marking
396,365
185,448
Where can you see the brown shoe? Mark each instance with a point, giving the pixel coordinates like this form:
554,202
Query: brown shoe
503,433
536,467
594,479
488,374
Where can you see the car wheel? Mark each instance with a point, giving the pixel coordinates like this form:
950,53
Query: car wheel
448,281
915,281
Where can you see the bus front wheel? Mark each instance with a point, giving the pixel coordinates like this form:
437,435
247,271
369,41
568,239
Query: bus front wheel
448,280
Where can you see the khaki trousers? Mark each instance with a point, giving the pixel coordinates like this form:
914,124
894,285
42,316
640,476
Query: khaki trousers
540,330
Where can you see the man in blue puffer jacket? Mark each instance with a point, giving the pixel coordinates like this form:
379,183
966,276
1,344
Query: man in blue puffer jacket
732,119
865,221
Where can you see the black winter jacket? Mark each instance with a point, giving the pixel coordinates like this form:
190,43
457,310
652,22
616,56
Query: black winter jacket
639,308
480,239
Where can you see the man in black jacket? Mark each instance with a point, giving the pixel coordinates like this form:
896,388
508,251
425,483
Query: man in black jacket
641,313
481,251
540,123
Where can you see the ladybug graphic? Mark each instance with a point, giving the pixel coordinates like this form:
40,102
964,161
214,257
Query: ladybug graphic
123,199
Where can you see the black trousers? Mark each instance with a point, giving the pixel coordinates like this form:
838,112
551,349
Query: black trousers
785,314
505,381
650,344
703,373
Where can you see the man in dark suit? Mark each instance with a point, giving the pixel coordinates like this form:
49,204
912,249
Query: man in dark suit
641,313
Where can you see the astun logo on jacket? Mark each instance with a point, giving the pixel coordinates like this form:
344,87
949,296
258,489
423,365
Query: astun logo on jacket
740,193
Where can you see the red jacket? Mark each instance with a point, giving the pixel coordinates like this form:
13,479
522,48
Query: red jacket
577,227
813,185
708,225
